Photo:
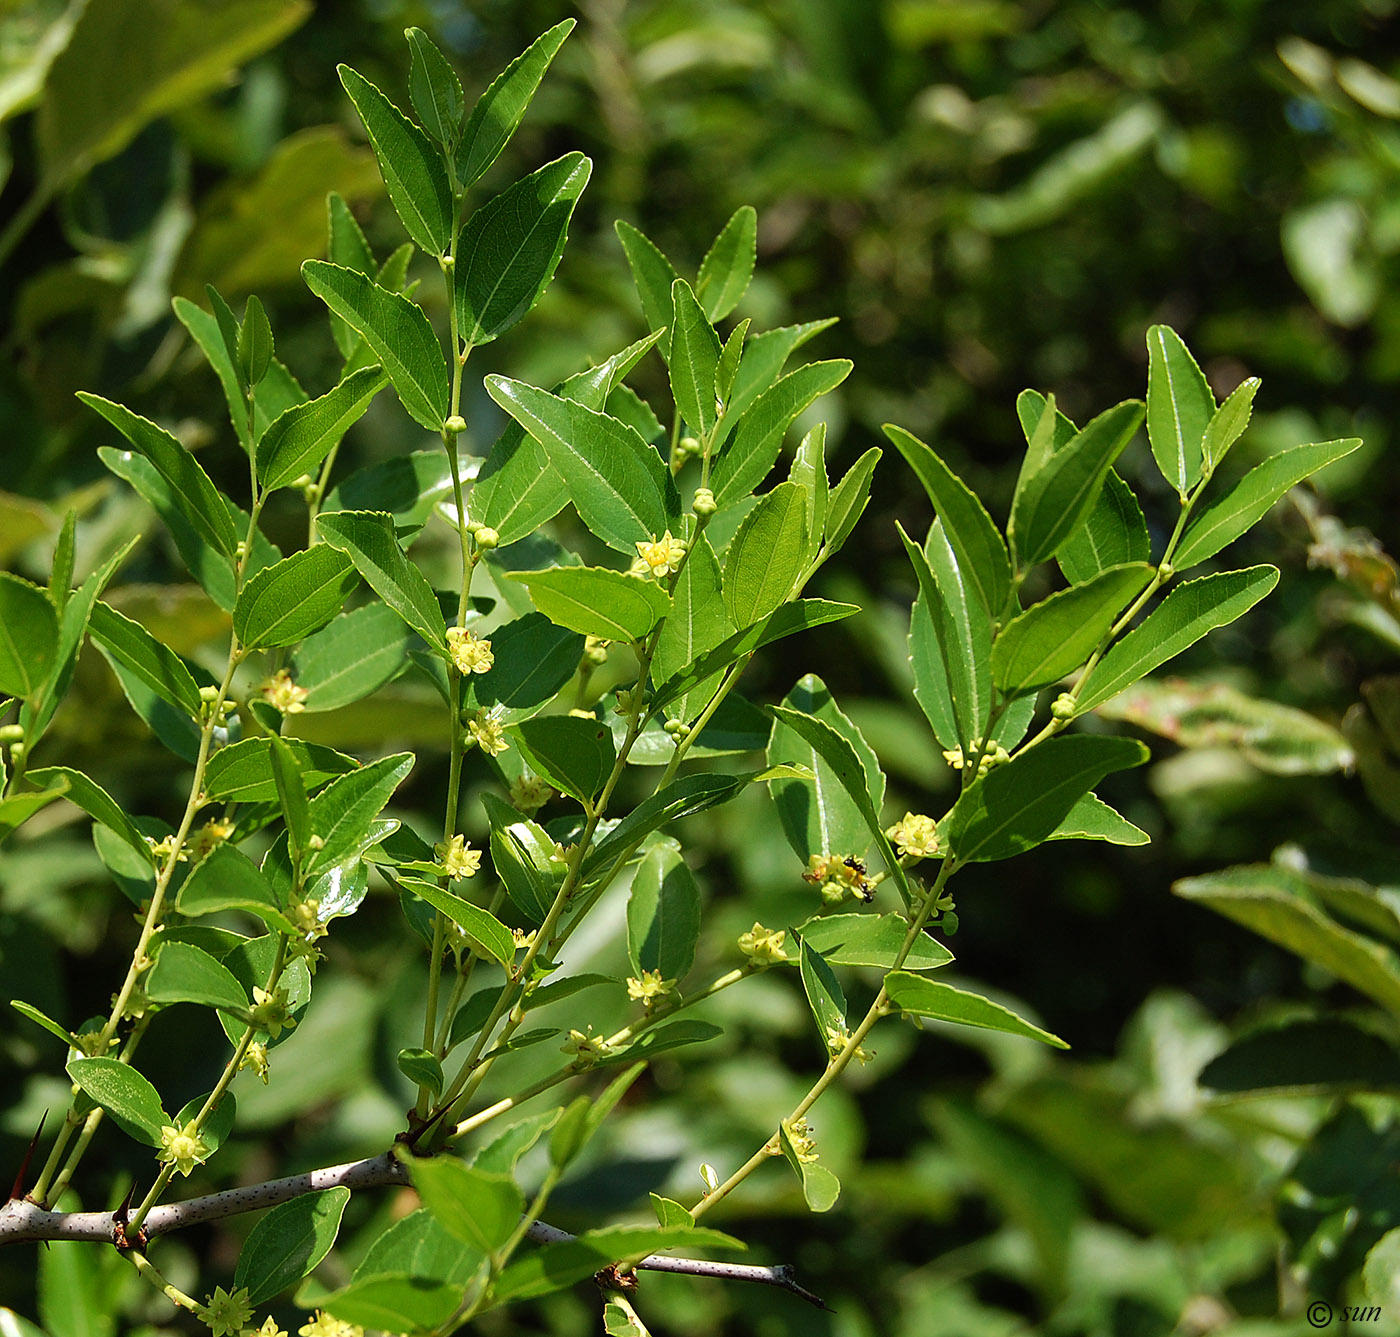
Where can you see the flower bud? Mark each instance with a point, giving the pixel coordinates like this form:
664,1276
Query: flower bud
455,425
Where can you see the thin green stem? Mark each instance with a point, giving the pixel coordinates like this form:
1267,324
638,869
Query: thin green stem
151,1274
23,219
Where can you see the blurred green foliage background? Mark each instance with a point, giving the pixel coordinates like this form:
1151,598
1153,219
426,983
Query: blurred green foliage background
989,194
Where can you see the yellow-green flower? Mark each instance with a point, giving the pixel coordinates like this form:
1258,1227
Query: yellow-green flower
528,793
469,652
486,732
183,1148
915,836
283,694
271,1011
227,1313
763,946
800,1137
457,859
323,1325
586,1048
269,1329
649,988
663,557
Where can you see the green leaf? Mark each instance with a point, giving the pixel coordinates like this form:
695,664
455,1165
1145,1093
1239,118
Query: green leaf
254,342
410,164
619,484
765,355
291,796
826,814
652,272
1224,520
481,928
190,489
1228,422
871,940
824,996
422,1068
1305,1057
435,90
534,659
1276,738
172,53
367,538
682,797
663,915
554,1266
342,813
1055,499
242,772
670,1213
500,1154
1016,806
573,754
1380,1274
809,471
477,1208
184,974
820,1187
300,594
787,620
510,248
500,109
1180,407
1055,636
963,635
16,809
692,355
766,556
226,879
32,1013
129,643
921,997
930,672
1179,621
728,264
126,1095
520,855
352,657
28,637
980,548
395,1302
697,622
1092,819
288,1242
303,436
1113,532
1276,904
849,499
95,801
596,601
396,329
750,452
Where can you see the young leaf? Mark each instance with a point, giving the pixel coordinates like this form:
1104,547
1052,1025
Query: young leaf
809,471
299,595
303,436
184,974
1016,806
510,248
88,795
824,996
980,549
750,452
728,264
343,812
1054,637
291,796
1180,406
766,556
190,488
871,940
693,356
619,484
367,538
28,637
1228,422
479,1209
1114,532
127,1096
129,643
64,552
481,928
663,915
435,90
837,812
1224,520
1054,499
849,499
254,342
42,1020
596,601
652,272
697,621
920,997
398,332
351,657
501,107
765,355
573,754
410,164
727,368
287,1243
1179,621
1045,428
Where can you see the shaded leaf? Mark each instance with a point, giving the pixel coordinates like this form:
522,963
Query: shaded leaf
288,1242
573,754
184,974
28,637
663,915
1114,532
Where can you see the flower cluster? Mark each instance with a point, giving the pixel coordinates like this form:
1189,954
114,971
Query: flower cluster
993,756
586,1048
838,1037
271,1011
457,859
800,1138
915,836
470,653
484,729
650,988
528,793
226,1312
763,946
839,877
323,1325
210,836
283,694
